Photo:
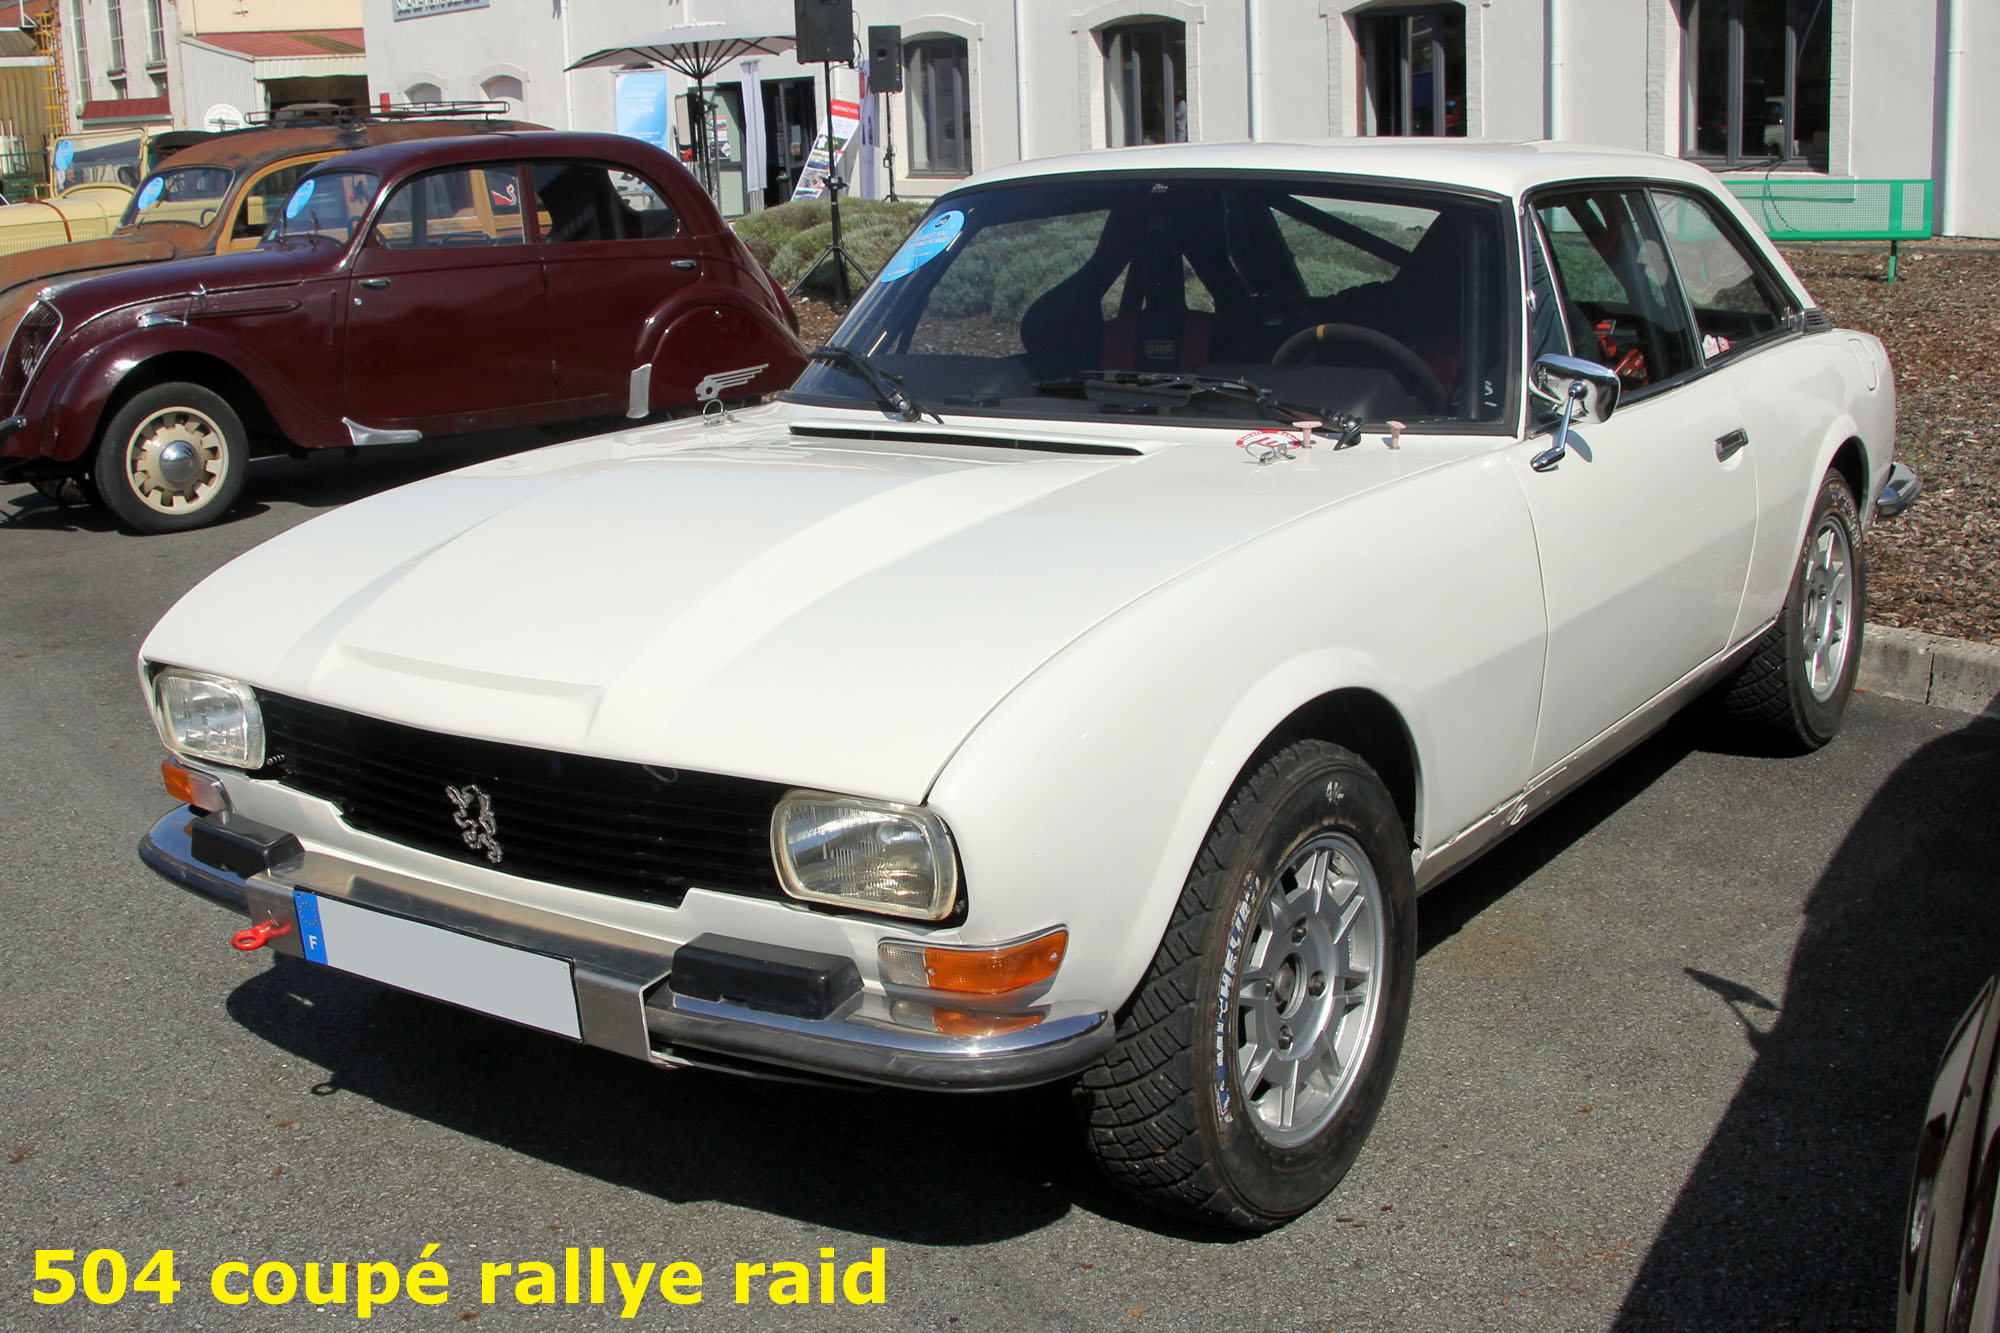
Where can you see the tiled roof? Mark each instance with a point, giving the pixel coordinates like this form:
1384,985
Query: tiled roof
127,108
287,45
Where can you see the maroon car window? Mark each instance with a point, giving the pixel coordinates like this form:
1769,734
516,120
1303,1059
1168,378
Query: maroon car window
585,201
465,206
331,204
261,201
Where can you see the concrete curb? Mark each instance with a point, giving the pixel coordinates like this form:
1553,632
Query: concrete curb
1929,669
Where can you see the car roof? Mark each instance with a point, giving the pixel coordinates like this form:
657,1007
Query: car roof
1509,168
391,158
266,144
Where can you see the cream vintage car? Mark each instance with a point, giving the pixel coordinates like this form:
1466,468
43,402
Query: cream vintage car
1181,558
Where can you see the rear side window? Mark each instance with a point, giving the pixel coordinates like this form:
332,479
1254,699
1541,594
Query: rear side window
464,206
1620,302
588,201
1735,302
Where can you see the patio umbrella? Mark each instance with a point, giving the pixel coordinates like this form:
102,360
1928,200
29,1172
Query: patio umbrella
696,50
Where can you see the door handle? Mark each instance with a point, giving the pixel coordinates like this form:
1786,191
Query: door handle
1726,445
683,263
376,283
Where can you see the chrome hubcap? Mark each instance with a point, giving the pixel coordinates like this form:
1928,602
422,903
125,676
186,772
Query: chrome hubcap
176,459
1828,608
1307,995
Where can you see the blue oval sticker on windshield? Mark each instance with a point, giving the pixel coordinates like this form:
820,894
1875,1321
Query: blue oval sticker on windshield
150,192
300,198
931,240
65,154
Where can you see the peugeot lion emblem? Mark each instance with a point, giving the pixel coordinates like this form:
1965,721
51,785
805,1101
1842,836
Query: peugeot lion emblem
474,817
714,386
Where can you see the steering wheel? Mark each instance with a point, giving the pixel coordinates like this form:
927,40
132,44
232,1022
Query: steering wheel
1298,349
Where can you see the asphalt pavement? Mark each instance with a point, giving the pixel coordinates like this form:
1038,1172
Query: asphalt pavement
1668,1056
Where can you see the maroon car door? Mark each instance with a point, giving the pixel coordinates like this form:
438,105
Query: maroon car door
446,315
616,251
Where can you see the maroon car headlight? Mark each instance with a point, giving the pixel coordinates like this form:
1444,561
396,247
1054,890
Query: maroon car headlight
32,338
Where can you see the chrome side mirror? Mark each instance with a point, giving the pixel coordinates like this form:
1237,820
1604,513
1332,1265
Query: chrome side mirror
1587,391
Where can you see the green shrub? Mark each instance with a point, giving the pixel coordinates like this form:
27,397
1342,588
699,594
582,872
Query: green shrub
791,236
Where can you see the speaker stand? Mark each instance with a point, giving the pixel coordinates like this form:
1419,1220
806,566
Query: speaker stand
888,119
842,260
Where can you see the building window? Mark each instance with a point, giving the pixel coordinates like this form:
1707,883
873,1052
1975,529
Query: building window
423,92
1145,83
1756,81
934,94
114,15
507,89
1413,71
156,34
82,49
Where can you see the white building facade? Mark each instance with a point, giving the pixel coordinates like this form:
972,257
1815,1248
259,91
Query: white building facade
1830,89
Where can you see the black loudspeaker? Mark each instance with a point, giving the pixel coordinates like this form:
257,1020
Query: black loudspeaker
885,58
825,30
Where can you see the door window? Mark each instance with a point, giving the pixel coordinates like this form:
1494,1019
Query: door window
587,201
465,206
1413,72
940,111
264,197
1735,302
1757,81
1621,305
1145,84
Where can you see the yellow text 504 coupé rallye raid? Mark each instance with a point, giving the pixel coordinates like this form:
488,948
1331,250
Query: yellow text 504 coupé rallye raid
1180,559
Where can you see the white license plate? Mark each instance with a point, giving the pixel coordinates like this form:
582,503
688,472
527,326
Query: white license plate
528,988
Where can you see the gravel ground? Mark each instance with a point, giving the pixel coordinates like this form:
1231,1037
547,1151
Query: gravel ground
1936,568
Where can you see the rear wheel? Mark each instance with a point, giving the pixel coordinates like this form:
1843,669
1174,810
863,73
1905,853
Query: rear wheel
172,458
1796,683
1253,1058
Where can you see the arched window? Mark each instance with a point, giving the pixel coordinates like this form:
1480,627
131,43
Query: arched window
936,94
423,92
506,88
1145,82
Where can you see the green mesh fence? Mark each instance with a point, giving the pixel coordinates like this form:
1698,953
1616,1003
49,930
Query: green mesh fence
1789,208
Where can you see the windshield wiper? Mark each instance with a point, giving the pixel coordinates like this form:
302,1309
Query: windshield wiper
1155,388
890,390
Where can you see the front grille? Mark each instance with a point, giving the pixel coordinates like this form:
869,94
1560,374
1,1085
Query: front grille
633,830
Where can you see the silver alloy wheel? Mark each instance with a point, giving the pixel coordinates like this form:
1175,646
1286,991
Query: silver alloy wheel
1308,993
1828,606
176,459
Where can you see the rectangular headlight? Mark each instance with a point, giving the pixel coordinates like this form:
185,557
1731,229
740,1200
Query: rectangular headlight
872,855
208,717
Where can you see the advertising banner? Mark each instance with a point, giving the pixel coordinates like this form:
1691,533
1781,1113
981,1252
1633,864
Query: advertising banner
812,181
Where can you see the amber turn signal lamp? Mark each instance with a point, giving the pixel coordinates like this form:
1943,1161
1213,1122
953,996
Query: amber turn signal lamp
989,971
188,787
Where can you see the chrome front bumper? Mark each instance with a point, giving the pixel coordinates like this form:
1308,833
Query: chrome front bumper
624,982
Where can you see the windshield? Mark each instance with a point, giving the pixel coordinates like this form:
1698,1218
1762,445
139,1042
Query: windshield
331,204
180,194
1344,298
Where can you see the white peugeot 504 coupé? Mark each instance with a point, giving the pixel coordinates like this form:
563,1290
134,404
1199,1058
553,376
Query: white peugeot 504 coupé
1181,558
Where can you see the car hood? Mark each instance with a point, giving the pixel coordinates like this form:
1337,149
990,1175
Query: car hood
86,297
822,612
80,258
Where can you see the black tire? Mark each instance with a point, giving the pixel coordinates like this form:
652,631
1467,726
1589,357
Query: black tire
1170,1118
1794,687
173,457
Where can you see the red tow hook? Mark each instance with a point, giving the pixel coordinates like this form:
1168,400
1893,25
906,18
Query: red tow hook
257,936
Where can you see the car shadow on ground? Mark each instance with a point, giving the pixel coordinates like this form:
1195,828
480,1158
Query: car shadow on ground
893,1164
319,481
1797,1203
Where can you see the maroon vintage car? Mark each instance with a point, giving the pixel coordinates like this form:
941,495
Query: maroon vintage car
404,291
